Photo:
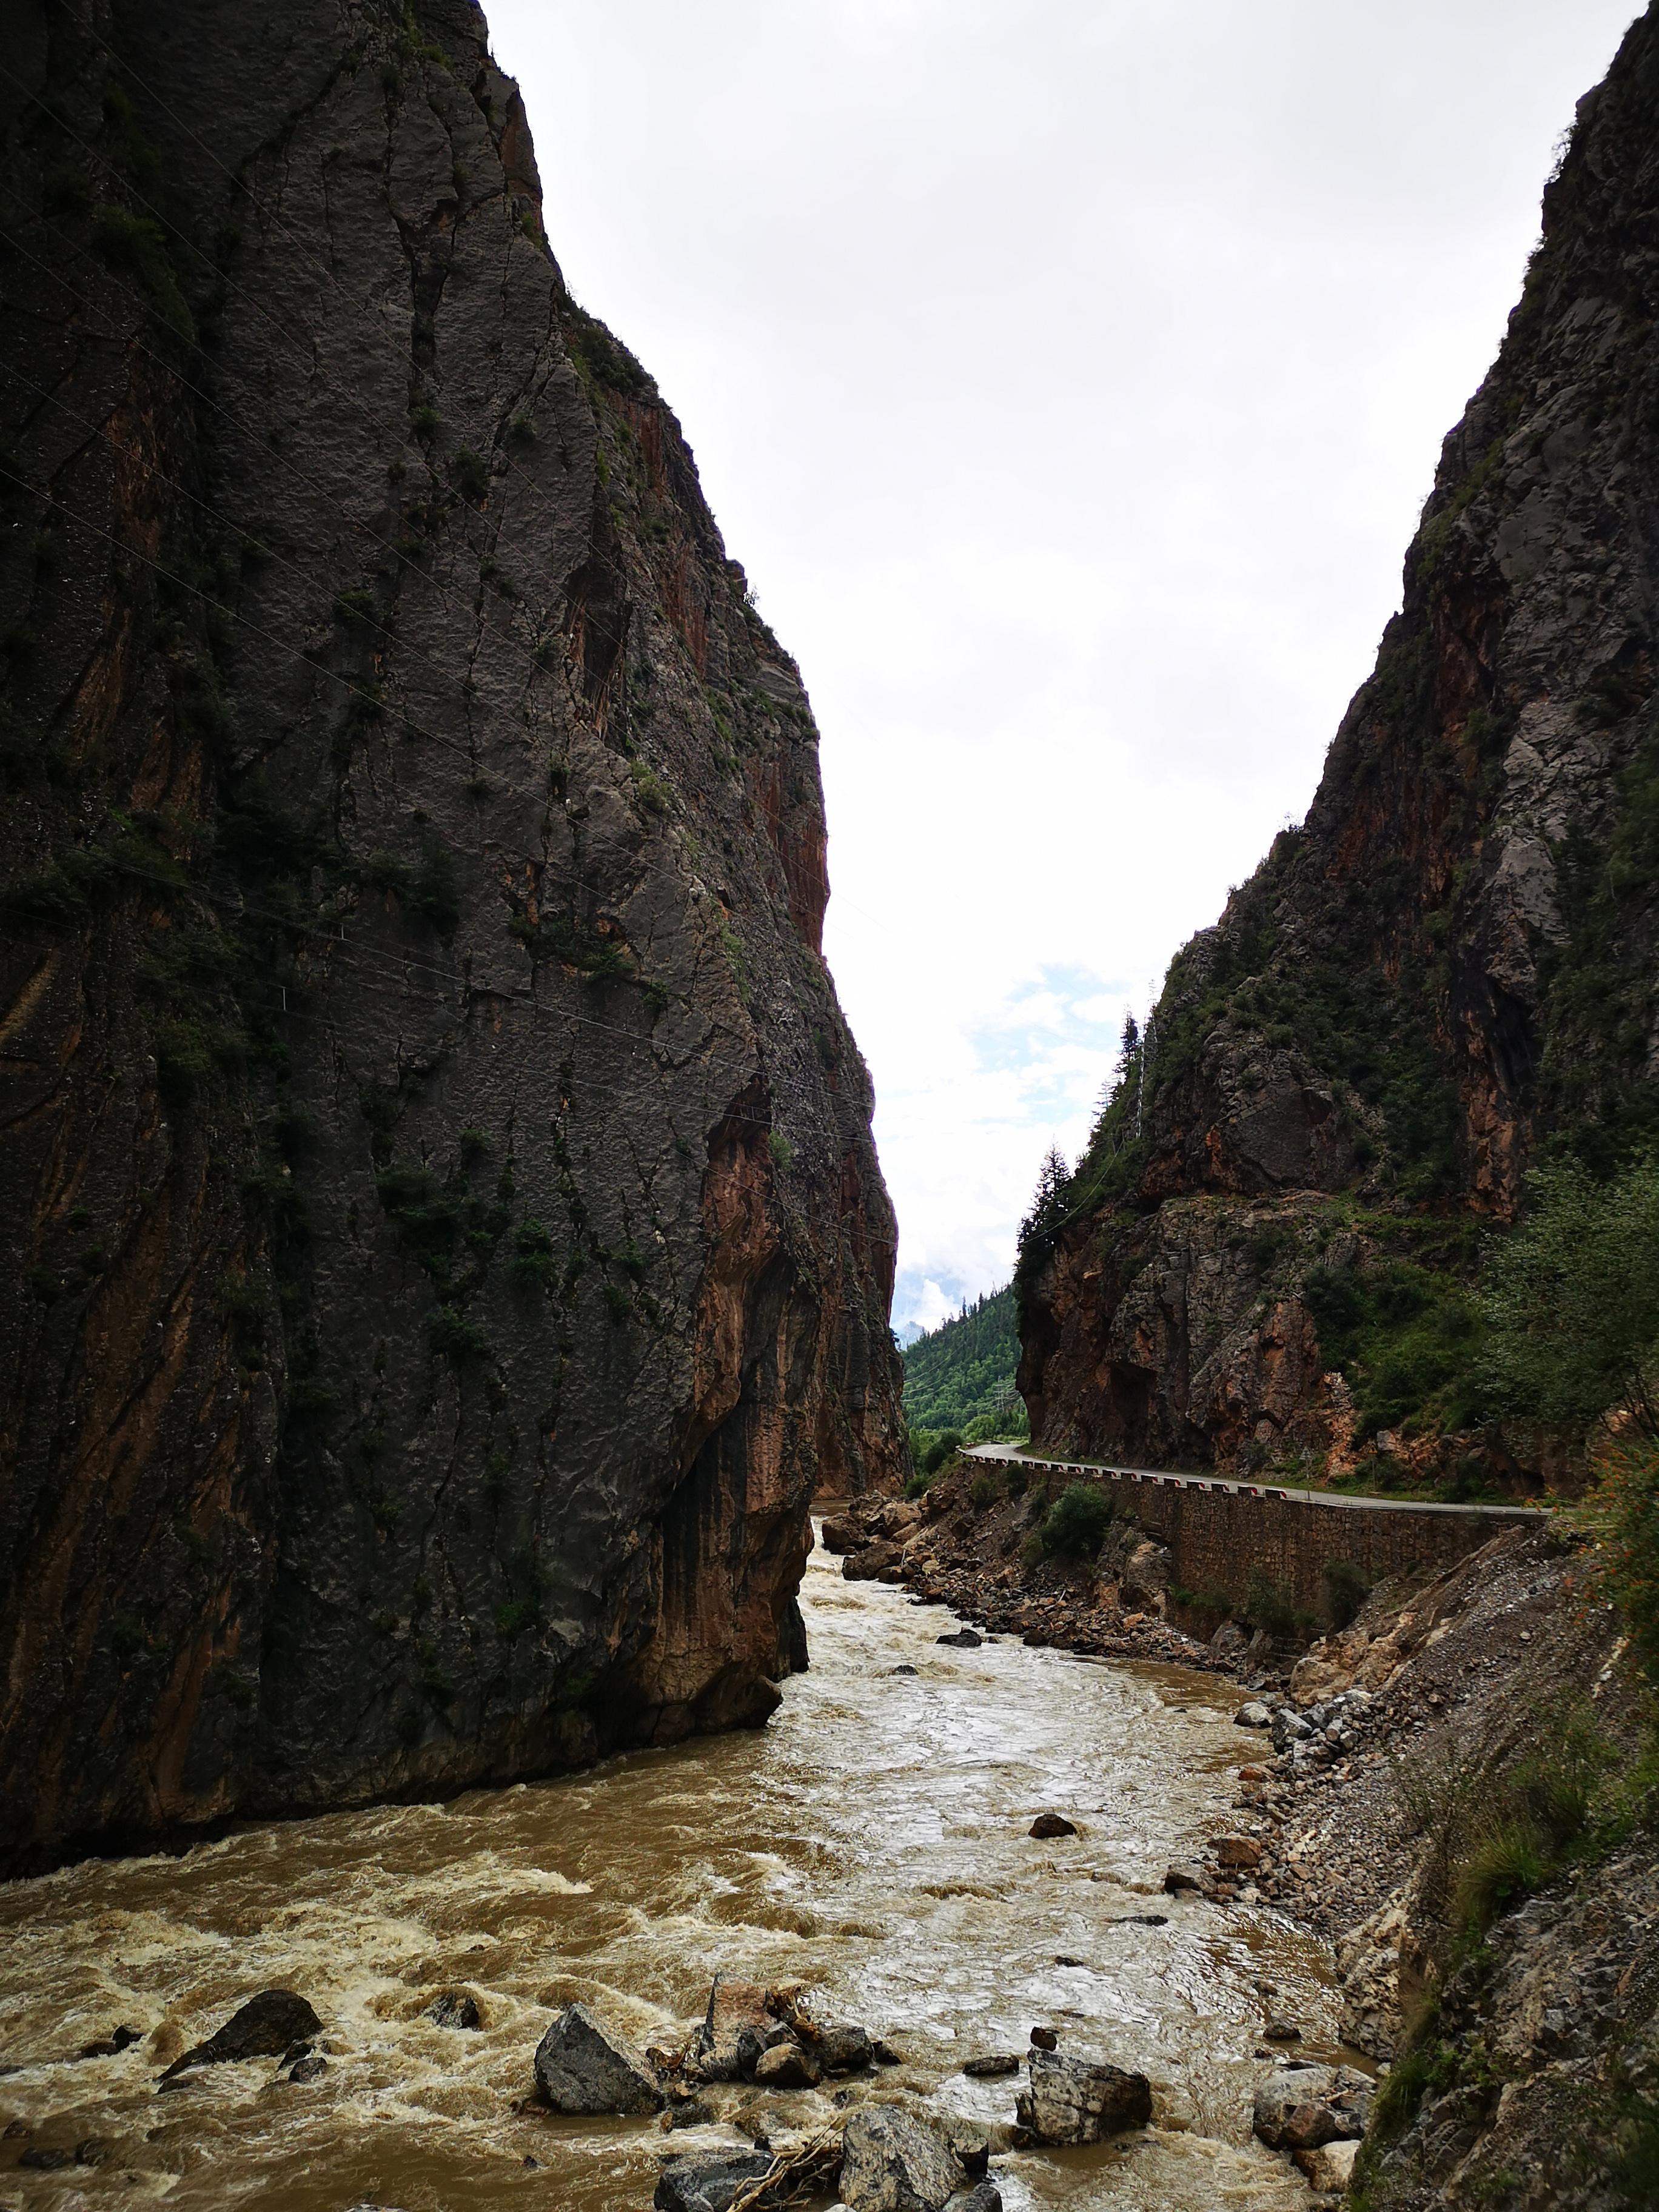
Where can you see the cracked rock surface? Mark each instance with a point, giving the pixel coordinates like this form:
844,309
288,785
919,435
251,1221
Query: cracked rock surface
451,1248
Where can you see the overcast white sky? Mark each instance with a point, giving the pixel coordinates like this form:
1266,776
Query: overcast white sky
1067,375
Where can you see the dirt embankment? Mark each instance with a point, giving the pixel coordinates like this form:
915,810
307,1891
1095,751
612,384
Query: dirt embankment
1448,1788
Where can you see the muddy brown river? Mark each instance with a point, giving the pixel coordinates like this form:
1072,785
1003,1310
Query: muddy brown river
871,1842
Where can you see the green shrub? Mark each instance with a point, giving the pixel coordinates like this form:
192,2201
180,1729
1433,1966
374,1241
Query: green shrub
1572,1301
533,1264
1268,1605
982,1492
944,1446
457,1335
1033,1550
1018,1480
1076,1522
1346,1588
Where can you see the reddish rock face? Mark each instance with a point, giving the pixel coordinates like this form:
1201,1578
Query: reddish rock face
452,1249
1456,957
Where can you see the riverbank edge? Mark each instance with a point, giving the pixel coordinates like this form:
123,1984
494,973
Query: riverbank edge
1515,2070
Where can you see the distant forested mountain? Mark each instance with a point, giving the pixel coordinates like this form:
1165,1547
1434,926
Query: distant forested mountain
962,1375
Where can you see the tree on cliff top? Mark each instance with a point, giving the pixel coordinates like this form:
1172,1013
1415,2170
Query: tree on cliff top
1050,1203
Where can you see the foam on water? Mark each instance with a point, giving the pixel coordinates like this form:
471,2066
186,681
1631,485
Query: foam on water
871,1842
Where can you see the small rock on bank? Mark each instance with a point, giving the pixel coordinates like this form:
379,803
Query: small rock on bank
892,2161
581,2067
1303,2107
1330,2168
1052,1824
1072,2100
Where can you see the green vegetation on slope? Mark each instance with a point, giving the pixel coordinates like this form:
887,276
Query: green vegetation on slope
961,1376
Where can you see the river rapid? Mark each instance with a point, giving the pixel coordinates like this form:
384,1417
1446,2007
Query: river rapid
871,1842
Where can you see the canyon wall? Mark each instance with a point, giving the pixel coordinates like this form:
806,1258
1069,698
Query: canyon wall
447,1249
1447,973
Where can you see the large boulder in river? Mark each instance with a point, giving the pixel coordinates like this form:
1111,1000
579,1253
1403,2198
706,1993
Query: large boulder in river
1075,2101
869,1564
581,2067
840,1535
893,2161
707,2180
1300,2107
262,2028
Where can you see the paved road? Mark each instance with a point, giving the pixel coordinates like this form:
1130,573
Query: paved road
1008,1455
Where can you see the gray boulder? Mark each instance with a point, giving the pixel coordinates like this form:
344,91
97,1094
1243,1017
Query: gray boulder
843,2047
581,2067
1300,2107
892,2161
707,2180
262,2028
787,2066
983,2196
1254,1715
1072,2100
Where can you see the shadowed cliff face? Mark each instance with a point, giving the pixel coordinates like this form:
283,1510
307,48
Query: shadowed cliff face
1451,965
450,1249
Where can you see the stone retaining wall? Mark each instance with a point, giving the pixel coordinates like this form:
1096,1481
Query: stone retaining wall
1222,1537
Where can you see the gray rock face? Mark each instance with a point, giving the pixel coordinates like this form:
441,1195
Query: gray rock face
458,1251
1429,913
582,2067
892,2161
1299,2108
1071,2100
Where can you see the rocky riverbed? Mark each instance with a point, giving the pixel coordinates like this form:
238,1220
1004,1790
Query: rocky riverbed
866,1863
1376,1758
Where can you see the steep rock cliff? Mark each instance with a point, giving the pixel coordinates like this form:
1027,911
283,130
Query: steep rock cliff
447,1247
1449,969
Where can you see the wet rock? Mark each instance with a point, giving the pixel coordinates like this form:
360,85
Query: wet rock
707,2180
983,2196
1139,1920
1044,2038
840,1535
787,2066
1179,1879
869,1564
1238,1852
738,2025
453,2008
843,2047
42,2159
1072,2100
581,2067
1300,2107
904,1670
1052,1824
308,2069
92,2150
689,2112
993,2062
893,2161
965,1639
1282,2031
262,2028
119,2039
1330,2166
1254,1715
884,2053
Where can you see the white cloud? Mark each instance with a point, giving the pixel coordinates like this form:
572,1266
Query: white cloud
1068,380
